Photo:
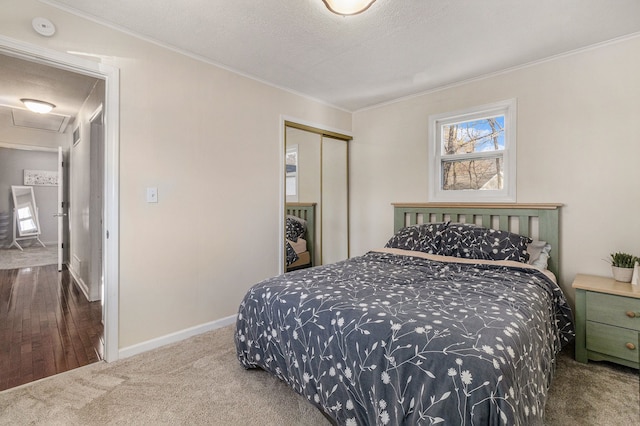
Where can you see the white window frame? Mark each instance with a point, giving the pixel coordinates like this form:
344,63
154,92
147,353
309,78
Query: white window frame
508,193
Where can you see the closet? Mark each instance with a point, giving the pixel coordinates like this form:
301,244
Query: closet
317,171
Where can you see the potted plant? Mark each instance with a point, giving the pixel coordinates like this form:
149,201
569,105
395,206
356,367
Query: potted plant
622,266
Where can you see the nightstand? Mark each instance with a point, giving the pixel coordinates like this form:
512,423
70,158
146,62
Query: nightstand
607,320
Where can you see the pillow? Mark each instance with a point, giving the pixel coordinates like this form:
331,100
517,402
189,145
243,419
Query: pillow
463,240
475,242
425,238
534,249
291,254
542,261
299,219
295,227
508,246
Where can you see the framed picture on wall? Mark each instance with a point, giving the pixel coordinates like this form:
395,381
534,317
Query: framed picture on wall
40,178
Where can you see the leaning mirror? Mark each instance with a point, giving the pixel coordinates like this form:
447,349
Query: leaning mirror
25,211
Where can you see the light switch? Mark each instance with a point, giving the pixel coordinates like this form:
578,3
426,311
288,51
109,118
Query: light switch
152,195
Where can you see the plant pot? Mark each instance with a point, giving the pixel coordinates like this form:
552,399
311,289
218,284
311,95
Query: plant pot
622,274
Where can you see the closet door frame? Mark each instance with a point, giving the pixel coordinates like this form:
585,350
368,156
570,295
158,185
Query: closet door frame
323,131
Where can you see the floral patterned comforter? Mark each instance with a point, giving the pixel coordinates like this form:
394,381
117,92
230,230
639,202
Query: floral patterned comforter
394,339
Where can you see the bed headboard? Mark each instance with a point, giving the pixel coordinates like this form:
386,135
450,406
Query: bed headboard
306,211
537,221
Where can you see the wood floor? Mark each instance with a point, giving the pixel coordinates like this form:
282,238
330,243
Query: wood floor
47,326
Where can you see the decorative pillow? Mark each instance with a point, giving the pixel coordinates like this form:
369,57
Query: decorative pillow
295,228
475,242
292,256
425,238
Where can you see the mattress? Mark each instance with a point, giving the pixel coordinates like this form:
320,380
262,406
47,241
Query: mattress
395,337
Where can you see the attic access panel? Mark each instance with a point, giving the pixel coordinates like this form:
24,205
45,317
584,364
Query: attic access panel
51,122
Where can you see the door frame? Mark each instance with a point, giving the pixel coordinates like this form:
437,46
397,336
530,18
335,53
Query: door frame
111,176
96,207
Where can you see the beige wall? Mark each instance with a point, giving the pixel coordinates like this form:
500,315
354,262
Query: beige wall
209,140
578,144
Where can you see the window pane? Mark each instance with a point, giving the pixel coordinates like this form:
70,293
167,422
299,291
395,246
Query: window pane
482,174
27,225
24,212
473,136
291,188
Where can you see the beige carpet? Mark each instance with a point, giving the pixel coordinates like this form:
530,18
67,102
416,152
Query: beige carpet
34,255
199,381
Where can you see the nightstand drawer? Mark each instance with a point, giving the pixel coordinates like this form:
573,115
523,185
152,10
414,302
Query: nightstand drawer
613,341
615,310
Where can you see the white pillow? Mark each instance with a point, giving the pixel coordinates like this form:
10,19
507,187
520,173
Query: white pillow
539,254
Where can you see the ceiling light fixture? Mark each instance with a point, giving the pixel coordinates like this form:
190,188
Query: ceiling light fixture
41,107
348,7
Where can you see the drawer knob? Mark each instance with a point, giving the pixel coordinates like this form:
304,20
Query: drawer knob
630,346
631,314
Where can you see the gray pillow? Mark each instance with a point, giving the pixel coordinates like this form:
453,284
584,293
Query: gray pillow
425,238
476,242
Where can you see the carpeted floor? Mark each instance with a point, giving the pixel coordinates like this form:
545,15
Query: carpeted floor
34,255
199,381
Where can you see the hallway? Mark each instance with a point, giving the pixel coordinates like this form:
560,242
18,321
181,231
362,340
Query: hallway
47,326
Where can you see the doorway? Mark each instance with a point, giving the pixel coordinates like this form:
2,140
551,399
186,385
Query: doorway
107,184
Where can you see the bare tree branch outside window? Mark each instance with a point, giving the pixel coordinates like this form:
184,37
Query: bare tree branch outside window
472,157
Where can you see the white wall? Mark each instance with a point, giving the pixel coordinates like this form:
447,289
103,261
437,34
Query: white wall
13,162
209,140
578,144
79,199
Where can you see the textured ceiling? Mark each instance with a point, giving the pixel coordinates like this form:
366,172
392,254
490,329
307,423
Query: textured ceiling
66,89
395,49
25,79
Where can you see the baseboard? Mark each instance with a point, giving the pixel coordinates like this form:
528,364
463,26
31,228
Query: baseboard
73,266
79,283
175,337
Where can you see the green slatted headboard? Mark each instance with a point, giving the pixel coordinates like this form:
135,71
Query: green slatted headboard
537,221
306,211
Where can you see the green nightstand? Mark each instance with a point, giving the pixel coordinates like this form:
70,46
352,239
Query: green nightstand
607,320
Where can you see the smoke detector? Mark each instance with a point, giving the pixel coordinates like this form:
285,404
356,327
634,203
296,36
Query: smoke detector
43,26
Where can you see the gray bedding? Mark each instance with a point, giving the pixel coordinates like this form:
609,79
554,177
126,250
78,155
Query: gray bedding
396,339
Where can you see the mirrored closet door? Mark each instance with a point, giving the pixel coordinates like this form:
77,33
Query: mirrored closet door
317,183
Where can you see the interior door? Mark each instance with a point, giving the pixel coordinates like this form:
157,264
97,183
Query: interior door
60,208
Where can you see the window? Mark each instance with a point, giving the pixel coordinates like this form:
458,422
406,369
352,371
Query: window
291,182
26,222
473,154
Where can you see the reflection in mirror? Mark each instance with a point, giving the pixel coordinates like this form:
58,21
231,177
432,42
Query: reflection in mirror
291,164
316,164
25,215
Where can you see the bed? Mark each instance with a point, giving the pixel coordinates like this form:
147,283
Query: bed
299,236
446,324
